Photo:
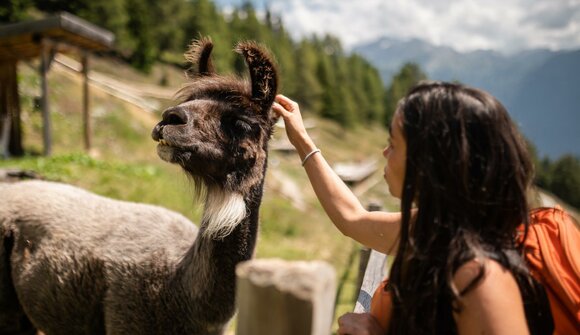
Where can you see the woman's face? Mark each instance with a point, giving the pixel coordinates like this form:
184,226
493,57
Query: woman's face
396,155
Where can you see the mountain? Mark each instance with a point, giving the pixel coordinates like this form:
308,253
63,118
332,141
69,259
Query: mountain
540,88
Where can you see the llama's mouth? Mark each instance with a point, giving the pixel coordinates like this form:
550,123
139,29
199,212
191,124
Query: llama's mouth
165,151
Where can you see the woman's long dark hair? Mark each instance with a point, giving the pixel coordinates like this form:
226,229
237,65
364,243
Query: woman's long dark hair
467,172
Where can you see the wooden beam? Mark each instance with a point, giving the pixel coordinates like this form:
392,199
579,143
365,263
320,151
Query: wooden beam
4,134
44,104
61,46
376,271
22,40
4,109
10,130
86,110
364,256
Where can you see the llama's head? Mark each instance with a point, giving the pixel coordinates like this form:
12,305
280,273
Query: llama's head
219,132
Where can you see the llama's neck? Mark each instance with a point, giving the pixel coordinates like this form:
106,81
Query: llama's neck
222,213
227,236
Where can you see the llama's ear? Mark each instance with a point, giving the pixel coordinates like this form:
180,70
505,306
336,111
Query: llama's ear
263,73
273,118
199,54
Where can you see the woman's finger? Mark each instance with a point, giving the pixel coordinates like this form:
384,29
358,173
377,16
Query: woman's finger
344,325
286,102
344,330
279,109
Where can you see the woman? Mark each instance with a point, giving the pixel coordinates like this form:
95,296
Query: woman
461,170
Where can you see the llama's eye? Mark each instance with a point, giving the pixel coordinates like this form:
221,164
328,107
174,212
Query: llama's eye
237,127
243,125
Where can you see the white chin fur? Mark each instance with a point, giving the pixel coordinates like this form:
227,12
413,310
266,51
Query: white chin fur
222,213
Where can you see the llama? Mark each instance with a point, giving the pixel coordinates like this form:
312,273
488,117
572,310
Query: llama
70,267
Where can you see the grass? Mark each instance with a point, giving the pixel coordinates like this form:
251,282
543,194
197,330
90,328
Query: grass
124,165
115,179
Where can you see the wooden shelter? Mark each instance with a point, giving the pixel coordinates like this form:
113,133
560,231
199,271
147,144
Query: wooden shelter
354,173
43,38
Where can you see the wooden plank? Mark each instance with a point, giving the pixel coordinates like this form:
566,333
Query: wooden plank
86,110
4,135
285,298
44,105
365,252
64,24
355,172
363,257
11,133
376,271
22,40
5,83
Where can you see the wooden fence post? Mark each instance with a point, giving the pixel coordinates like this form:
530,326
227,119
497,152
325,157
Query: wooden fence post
365,252
45,60
374,274
285,298
10,125
363,259
87,129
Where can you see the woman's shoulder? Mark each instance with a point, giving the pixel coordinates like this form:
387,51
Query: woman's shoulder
482,274
490,299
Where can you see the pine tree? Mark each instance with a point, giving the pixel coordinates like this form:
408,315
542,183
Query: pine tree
170,35
113,16
409,75
565,179
14,11
140,28
373,86
310,89
354,80
203,19
285,51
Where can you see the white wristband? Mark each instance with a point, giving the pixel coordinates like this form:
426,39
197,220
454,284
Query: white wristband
308,156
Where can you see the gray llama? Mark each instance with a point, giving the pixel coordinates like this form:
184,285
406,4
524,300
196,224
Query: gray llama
72,262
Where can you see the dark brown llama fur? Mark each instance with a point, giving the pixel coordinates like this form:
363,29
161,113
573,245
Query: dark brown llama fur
76,263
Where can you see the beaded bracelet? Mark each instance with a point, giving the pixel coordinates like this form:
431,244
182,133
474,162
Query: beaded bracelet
308,156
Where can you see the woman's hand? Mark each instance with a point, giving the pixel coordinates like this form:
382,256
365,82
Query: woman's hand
290,113
358,324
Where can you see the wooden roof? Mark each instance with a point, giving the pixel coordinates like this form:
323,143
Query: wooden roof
355,172
22,40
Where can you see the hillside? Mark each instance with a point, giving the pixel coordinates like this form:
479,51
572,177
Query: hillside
124,164
540,88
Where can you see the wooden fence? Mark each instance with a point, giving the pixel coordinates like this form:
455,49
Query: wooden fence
283,297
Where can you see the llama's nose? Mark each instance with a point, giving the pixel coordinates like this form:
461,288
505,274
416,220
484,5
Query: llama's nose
156,133
175,116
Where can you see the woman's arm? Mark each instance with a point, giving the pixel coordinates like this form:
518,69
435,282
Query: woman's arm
377,230
494,306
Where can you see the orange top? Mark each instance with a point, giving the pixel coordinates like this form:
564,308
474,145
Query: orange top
382,305
553,256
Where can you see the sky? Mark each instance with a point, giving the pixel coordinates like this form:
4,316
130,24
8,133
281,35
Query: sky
506,26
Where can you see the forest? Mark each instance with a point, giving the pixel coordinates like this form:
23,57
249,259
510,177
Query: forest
316,71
